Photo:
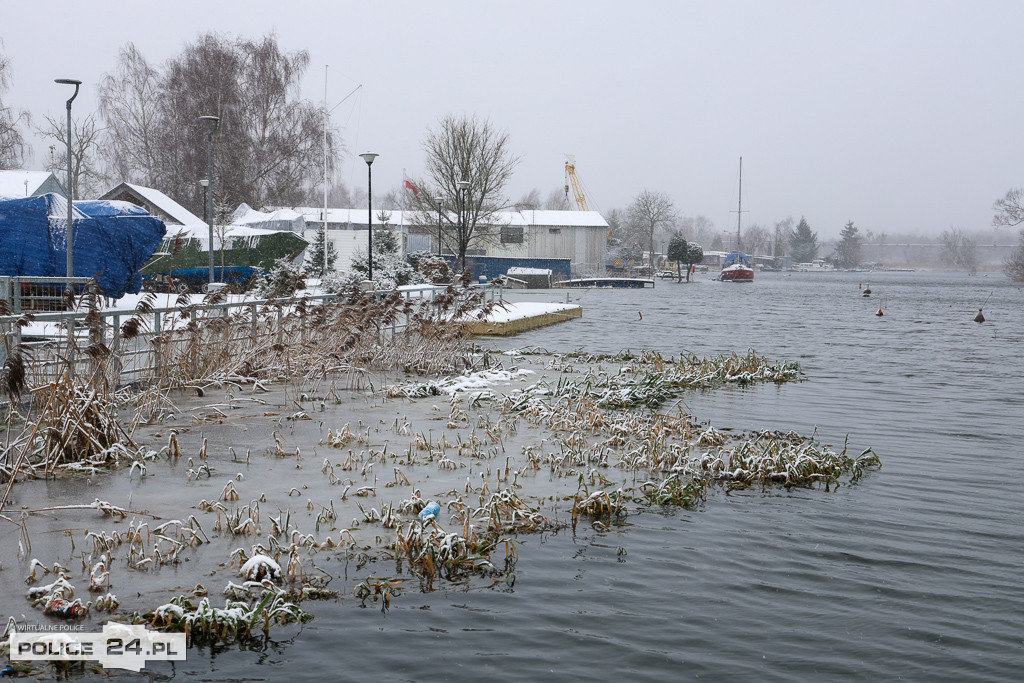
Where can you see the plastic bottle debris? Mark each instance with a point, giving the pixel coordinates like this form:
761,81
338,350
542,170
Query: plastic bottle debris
432,510
63,608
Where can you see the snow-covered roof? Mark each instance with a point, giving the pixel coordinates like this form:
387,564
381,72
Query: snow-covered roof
168,205
547,218
279,219
175,212
586,219
356,216
201,233
15,184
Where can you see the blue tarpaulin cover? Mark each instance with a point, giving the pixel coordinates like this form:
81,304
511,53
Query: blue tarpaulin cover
736,257
112,240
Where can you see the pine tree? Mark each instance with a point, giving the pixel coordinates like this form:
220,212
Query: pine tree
315,262
847,253
804,243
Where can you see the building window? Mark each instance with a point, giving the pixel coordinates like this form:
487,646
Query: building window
511,234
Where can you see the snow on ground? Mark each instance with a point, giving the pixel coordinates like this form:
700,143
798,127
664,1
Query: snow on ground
501,313
479,380
508,310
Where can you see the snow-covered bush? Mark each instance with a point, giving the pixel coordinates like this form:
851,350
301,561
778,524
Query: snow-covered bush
283,280
390,270
434,269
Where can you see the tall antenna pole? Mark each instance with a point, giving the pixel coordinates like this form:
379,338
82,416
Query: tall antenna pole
323,223
739,209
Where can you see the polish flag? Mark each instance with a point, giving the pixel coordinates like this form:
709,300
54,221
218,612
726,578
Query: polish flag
410,186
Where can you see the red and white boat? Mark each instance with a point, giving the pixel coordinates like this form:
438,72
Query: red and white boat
737,268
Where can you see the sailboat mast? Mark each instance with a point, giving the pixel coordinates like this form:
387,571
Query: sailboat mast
739,209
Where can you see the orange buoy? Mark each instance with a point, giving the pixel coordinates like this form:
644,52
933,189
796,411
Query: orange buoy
879,314
979,318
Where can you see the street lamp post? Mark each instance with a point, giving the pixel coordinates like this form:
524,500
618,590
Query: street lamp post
463,223
204,183
71,193
439,205
209,183
368,157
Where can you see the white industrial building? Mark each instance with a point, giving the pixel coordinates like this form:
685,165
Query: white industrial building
580,236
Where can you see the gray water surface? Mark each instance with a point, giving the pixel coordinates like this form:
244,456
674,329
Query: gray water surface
914,573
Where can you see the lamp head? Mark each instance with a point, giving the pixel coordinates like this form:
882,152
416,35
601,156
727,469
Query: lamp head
216,122
368,157
463,184
69,81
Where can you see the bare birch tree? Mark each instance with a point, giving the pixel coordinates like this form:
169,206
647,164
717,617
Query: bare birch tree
12,142
269,144
129,104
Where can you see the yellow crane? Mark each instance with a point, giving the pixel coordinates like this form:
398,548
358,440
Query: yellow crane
570,179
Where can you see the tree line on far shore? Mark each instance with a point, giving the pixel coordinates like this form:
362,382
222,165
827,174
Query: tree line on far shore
275,148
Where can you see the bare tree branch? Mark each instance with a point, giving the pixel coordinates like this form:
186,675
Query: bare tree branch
1014,264
85,174
1009,210
958,250
465,148
129,107
269,144
13,149
649,212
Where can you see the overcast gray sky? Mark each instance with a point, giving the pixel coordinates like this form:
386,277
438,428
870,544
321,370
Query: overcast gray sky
898,115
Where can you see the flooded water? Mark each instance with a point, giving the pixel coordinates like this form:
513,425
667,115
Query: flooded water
914,573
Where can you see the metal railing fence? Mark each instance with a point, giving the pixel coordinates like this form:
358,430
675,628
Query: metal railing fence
55,339
39,293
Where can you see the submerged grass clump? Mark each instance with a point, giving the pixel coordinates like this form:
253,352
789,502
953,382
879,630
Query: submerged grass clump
602,418
649,379
237,621
791,460
675,489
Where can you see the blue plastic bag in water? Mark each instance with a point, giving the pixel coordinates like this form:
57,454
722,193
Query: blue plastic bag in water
433,509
